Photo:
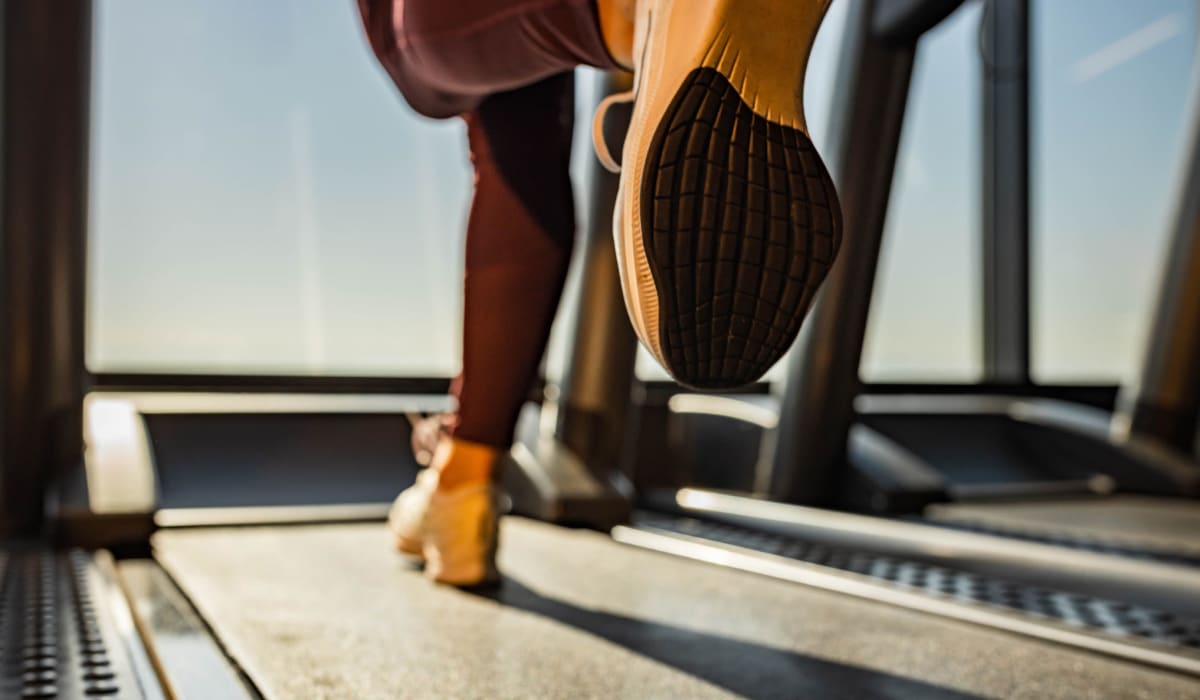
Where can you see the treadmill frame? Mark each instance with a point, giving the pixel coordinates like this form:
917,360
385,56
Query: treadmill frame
818,420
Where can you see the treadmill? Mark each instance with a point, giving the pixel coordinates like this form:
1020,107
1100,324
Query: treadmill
1057,488
221,537
1082,467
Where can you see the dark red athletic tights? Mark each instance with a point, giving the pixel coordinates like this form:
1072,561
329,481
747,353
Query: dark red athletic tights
506,67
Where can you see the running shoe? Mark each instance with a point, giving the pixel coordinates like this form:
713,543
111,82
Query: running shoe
727,220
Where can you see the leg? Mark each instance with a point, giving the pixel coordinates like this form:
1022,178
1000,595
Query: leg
727,220
519,237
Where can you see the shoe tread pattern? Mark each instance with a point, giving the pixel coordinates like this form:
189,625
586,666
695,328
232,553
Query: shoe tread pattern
741,224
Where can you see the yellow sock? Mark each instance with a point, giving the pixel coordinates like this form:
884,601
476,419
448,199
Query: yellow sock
459,463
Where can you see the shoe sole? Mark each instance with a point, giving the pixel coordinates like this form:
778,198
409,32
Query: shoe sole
407,547
739,219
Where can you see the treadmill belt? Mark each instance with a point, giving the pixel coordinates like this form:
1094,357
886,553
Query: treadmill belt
331,612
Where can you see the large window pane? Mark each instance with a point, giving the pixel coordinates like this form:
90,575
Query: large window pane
1111,81
925,322
264,201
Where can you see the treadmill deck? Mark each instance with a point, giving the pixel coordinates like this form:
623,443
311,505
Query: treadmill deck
332,612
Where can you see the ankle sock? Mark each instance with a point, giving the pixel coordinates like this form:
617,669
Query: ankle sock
461,463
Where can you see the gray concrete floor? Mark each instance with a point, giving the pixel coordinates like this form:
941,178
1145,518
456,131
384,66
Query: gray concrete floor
333,612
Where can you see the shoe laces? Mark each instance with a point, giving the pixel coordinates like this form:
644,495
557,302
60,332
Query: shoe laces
603,153
427,432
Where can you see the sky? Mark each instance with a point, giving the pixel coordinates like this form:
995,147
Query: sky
263,201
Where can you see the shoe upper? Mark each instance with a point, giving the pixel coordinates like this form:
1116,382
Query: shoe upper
455,531
408,511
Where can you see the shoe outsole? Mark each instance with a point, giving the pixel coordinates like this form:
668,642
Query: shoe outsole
741,224
407,547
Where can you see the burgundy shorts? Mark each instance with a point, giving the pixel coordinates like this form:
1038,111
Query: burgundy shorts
447,56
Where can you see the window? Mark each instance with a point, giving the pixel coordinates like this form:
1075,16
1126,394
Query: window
925,322
263,201
1110,88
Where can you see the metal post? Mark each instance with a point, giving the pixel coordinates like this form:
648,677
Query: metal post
569,470
599,375
868,110
46,81
1166,404
1005,46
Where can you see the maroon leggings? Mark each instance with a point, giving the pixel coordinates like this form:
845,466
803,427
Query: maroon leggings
505,66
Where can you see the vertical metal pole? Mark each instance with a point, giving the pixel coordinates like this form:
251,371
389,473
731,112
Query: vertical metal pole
1166,404
1005,45
817,406
46,81
599,373
567,466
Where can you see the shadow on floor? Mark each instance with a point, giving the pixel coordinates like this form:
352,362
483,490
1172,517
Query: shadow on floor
744,668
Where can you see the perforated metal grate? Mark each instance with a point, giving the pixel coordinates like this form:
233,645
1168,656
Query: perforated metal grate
1107,616
55,641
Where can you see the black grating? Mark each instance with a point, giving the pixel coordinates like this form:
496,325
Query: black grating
1107,616
56,639
1103,545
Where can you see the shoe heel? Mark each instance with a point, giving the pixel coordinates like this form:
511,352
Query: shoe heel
762,48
